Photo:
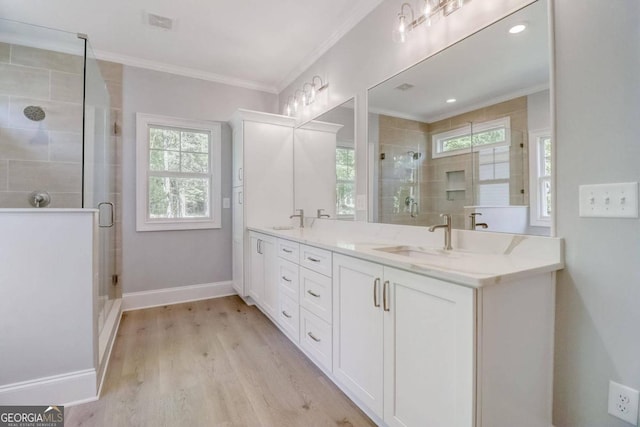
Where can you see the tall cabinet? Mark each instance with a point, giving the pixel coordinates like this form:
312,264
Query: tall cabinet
262,182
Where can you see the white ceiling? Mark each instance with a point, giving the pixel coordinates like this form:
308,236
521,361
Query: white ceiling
489,67
251,43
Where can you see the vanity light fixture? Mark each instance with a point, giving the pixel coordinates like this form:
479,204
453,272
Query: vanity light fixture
306,96
517,28
431,11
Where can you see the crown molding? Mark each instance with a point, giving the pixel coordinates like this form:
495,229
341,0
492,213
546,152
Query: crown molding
183,71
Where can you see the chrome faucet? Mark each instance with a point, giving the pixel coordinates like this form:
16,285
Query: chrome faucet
299,215
475,224
447,230
321,215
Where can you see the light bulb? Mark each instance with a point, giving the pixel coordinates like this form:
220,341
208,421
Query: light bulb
312,95
304,99
288,109
295,105
427,9
402,26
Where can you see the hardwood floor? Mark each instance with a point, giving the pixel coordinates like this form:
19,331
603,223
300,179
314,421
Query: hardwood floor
217,362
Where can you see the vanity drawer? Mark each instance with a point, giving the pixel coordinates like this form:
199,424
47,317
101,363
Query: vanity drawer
289,279
289,317
315,338
316,259
315,293
288,250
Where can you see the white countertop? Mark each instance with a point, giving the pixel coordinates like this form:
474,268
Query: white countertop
478,259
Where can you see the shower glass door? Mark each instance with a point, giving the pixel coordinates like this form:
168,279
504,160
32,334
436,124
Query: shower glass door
100,181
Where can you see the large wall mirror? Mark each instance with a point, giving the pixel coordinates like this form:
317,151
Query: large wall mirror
468,131
324,164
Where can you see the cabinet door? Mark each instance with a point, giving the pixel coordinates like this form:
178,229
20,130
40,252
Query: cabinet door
270,299
256,282
428,351
358,329
237,237
238,155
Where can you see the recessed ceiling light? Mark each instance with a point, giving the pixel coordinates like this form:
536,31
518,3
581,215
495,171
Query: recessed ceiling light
517,28
451,100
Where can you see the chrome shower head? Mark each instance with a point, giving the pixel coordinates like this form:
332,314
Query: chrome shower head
34,113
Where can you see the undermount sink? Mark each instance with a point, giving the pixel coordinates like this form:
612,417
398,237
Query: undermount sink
426,254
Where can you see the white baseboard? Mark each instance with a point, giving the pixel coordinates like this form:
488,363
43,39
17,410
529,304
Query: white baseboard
65,389
177,295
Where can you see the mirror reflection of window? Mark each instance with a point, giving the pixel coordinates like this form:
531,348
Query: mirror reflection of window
540,179
345,182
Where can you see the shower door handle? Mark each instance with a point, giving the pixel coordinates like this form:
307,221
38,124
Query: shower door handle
111,209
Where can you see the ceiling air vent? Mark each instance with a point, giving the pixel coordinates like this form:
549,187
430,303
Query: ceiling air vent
160,21
404,86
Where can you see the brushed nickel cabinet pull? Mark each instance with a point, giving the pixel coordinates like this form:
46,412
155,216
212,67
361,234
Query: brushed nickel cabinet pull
376,283
286,279
385,290
313,337
313,259
313,294
287,250
287,315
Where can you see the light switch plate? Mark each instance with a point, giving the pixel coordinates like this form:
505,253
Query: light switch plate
609,200
226,203
361,202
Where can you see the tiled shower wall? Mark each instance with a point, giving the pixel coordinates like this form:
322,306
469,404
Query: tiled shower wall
399,136
399,172
45,155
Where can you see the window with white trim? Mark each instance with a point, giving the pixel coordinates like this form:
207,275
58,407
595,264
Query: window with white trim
178,173
493,176
493,133
540,146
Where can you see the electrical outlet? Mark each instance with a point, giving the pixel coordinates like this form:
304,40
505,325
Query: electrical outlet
623,402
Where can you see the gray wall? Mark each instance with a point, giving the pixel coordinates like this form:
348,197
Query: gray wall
163,259
598,127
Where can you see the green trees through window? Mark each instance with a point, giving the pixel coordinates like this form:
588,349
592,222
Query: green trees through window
345,181
179,173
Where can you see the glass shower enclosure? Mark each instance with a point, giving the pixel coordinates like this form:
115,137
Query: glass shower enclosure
57,140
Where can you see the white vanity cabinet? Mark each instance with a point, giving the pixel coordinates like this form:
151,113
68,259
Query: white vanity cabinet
403,344
410,349
263,266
